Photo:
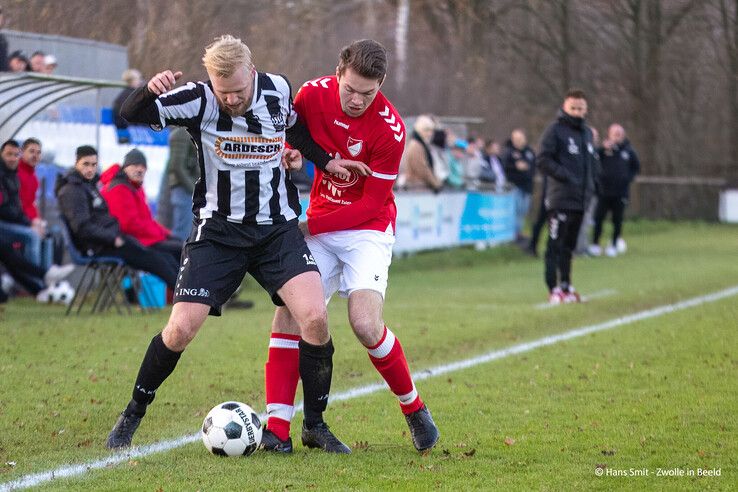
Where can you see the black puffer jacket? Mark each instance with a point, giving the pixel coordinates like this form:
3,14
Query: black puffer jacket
11,209
567,156
85,211
620,165
521,179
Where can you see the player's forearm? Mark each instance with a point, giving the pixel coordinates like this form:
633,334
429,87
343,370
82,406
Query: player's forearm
299,138
140,107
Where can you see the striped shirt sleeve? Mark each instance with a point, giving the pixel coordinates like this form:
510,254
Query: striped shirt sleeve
180,106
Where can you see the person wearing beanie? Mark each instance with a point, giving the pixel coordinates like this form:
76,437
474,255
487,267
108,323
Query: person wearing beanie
124,194
94,230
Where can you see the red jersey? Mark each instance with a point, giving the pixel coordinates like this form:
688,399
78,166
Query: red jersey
377,138
28,188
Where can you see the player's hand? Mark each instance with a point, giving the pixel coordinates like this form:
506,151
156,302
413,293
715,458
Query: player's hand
304,228
163,82
39,227
343,167
292,159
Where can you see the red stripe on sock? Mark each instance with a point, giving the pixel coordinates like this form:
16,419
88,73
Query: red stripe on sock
285,336
384,335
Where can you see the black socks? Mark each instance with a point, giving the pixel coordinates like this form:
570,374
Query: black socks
157,365
316,370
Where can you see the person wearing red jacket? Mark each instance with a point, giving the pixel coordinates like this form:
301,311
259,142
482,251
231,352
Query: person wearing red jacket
124,194
30,157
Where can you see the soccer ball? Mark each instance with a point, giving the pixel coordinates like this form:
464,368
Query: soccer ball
60,293
231,429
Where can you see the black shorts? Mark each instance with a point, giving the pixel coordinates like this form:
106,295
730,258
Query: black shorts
219,253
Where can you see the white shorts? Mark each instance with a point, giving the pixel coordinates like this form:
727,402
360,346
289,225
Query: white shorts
352,260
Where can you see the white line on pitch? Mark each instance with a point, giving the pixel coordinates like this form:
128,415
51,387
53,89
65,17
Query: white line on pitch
594,295
143,451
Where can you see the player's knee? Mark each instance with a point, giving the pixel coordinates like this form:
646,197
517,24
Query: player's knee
314,324
179,332
367,329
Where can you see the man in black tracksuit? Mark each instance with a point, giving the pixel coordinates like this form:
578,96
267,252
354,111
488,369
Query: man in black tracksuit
620,165
567,158
96,232
519,161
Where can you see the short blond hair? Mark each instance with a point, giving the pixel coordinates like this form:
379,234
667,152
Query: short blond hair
226,55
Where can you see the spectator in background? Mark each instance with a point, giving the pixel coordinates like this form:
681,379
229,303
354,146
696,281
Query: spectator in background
38,62
492,170
50,64
18,62
182,171
457,164
124,194
620,165
439,152
96,232
567,157
417,161
4,59
32,277
134,80
474,162
14,224
30,157
518,161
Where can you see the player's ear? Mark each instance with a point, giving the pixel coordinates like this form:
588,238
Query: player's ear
384,77
338,73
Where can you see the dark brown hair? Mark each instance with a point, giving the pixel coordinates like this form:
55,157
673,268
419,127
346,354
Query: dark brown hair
366,57
31,141
575,94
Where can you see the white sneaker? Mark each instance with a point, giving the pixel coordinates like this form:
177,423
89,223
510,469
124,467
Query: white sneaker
611,252
594,250
57,273
6,283
44,296
621,246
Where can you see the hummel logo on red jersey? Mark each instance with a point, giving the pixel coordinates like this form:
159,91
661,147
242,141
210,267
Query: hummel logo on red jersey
391,122
341,124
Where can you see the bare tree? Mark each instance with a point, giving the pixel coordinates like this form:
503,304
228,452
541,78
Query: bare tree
645,27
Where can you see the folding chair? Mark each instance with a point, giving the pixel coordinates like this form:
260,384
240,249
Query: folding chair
111,271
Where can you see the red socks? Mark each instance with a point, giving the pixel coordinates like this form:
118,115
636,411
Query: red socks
389,359
281,374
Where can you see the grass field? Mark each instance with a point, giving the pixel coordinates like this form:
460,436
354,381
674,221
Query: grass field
656,394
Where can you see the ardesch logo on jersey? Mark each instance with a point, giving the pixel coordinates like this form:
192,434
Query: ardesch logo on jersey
252,148
354,146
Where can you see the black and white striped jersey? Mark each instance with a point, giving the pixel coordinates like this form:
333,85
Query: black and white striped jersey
241,177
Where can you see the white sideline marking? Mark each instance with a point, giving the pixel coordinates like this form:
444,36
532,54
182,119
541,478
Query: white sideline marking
594,295
139,452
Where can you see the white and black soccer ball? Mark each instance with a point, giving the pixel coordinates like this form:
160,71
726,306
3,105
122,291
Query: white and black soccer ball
61,293
231,429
